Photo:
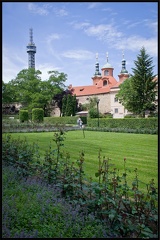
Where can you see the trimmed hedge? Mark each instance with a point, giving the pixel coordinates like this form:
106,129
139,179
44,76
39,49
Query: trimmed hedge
37,115
65,120
84,119
61,120
131,123
110,123
23,115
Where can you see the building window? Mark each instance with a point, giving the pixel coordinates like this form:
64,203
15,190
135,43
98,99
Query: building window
105,83
115,99
81,89
116,110
106,73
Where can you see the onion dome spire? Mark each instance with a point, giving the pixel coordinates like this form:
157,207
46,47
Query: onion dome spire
97,66
107,65
123,64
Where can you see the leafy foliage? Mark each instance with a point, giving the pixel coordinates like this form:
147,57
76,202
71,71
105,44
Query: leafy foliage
37,115
69,104
23,115
137,94
126,124
28,89
93,113
8,93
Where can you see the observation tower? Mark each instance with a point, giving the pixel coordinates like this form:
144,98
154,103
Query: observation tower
31,50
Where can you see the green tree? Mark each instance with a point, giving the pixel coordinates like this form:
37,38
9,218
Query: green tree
90,105
64,104
29,90
61,103
8,93
74,102
69,106
93,102
26,85
57,80
93,113
137,93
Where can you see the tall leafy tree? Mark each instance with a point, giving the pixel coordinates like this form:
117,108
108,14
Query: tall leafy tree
29,90
61,100
26,86
69,106
74,103
8,93
57,80
93,113
137,94
64,104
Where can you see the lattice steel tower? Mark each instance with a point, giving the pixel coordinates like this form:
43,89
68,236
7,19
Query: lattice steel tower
31,50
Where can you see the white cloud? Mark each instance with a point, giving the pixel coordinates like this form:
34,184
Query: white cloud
93,5
13,63
153,26
103,32
107,9
125,22
146,22
109,34
44,68
37,10
135,43
78,54
133,24
81,25
54,36
49,41
60,12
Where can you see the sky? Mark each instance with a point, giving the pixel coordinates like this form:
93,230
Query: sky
68,35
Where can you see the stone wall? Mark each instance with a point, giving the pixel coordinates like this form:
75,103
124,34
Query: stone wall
104,103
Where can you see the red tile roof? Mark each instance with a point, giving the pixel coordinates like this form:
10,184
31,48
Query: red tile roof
95,89
90,90
116,85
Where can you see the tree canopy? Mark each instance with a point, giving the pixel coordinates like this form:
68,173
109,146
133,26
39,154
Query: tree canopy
137,93
29,90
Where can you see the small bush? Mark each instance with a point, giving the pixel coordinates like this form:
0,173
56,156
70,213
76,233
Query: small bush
23,115
84,119
37,114
93,113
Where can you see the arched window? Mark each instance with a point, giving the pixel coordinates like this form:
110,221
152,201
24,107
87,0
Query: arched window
106,73
105,83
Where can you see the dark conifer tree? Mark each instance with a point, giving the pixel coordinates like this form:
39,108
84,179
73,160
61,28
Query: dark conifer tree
137,94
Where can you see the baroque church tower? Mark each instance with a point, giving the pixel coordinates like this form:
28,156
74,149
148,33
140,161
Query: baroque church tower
124,73
105,78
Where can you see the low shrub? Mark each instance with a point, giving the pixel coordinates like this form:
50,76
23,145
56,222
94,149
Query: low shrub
23,115
19,154
37,114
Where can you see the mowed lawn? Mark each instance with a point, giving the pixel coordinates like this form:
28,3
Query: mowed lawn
140,151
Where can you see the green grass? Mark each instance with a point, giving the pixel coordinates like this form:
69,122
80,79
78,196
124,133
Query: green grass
140,151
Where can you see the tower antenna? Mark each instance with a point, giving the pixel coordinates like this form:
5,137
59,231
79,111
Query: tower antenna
31,50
